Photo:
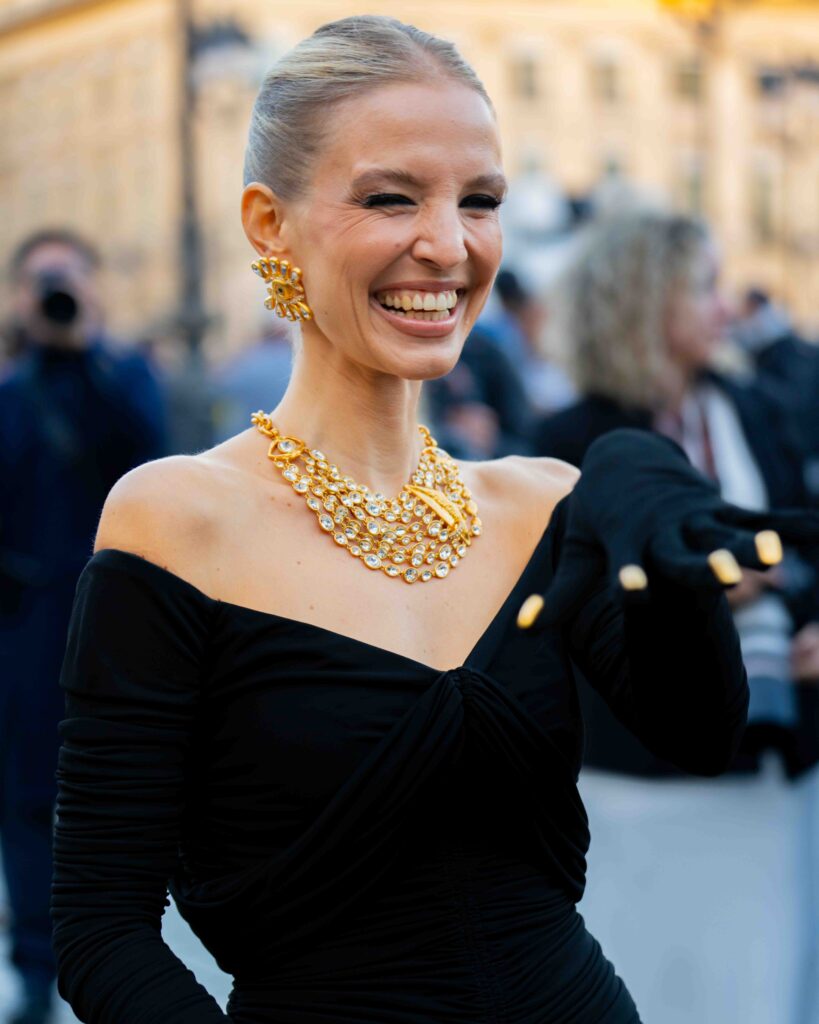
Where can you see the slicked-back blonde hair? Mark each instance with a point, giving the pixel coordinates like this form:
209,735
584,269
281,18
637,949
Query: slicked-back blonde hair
616,294
340,60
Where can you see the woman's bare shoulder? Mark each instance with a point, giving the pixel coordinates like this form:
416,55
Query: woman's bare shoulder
536,478
524,489
154,502
181,512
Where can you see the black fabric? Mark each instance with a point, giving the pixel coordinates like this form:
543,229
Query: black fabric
568,434
793,363
639,501
355,835
772,435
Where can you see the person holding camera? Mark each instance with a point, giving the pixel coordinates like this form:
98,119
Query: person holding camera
75,414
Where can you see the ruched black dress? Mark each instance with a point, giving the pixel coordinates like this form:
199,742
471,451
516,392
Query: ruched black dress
356,837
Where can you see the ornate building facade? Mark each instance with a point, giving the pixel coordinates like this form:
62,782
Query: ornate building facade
719,116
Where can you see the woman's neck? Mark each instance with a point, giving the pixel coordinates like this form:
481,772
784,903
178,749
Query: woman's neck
676,384
366,423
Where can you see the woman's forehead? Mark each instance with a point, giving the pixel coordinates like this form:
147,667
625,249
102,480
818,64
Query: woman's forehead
412,129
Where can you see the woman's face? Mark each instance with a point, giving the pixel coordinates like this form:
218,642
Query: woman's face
696,314
401,213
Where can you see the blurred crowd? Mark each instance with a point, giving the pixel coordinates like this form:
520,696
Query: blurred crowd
705,893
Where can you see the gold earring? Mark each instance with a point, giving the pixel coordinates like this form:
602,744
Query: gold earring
285,292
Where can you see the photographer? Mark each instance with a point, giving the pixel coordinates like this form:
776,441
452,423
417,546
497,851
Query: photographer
75,414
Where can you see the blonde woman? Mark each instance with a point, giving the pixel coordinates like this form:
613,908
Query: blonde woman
645,317
296,684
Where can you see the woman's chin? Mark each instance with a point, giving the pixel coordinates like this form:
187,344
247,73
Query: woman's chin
424,363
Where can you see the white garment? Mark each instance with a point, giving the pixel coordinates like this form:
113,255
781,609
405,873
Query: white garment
703,894
765,626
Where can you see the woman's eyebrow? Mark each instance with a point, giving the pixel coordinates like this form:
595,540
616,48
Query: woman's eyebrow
369,179
490,182
381,176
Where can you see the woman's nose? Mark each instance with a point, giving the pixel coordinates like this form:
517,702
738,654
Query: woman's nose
440,240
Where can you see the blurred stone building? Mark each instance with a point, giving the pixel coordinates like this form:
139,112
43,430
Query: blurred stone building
716,110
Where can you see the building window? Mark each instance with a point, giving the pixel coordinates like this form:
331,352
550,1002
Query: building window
606,80
525,77
688,79
612,167
691,186
529,161
771,82
763,205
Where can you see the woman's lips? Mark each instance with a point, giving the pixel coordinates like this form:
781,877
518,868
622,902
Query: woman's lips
418,328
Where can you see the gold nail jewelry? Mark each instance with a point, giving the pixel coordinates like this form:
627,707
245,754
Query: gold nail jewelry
724,566
768,547
530,610
285,292
632,577
420,535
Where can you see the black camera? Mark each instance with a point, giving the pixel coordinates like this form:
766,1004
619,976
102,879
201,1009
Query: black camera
56,299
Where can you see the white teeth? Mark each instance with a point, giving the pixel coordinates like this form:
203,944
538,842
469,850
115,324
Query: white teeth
426,302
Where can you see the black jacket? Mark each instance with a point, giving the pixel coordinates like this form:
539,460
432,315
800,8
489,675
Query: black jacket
777,446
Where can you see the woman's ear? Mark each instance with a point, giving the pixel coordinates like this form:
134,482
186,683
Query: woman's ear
263,219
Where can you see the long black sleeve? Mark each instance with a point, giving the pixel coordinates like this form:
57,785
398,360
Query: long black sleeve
669,667
132,679
671,671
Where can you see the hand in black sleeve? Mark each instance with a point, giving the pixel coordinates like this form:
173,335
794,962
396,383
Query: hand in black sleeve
132,677
647,549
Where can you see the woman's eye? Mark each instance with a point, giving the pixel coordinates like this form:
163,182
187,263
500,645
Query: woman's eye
481,202
386,199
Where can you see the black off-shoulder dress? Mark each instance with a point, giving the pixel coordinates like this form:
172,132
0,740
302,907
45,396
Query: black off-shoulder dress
354,835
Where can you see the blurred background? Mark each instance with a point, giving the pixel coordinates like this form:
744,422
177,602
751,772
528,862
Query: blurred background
127,120
122,133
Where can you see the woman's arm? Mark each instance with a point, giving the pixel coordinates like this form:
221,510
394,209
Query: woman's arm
132,678
671,670
637,593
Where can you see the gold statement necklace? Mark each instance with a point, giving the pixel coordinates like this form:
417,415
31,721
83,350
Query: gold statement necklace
418,536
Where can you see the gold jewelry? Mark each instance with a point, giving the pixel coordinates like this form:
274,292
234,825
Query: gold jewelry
724,566
285,292
768,547
633,577
530,610
420,535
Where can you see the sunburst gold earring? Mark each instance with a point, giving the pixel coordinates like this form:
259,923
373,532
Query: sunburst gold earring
285,292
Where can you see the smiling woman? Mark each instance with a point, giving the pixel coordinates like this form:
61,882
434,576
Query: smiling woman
389,210
359,773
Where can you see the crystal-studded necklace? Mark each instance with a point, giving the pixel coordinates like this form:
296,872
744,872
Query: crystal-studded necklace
418,536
